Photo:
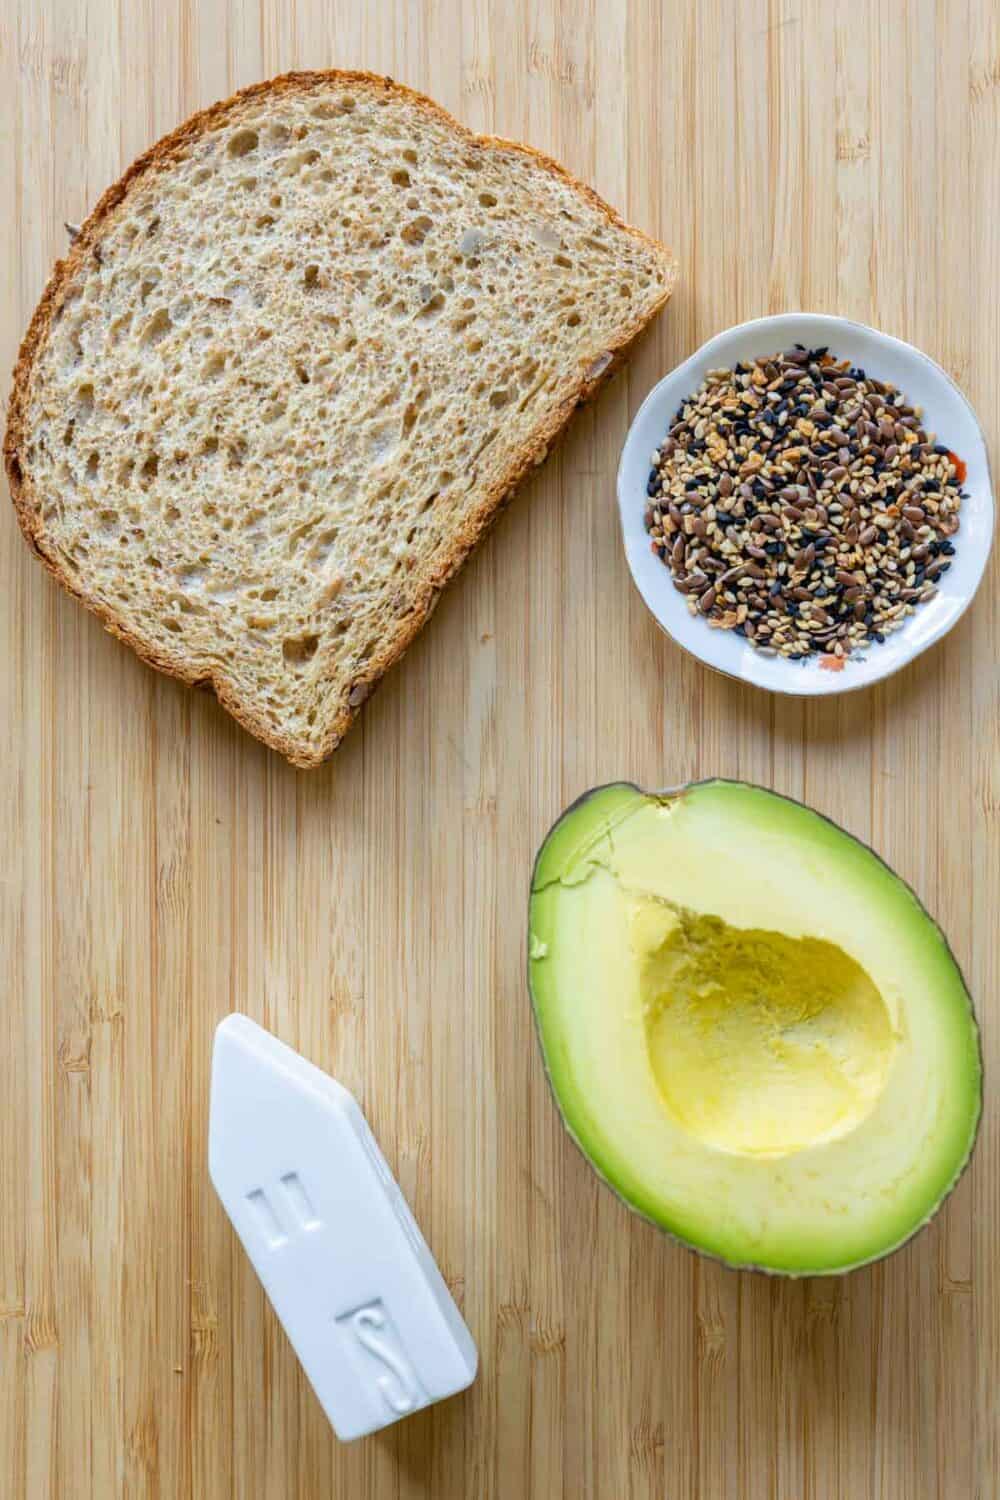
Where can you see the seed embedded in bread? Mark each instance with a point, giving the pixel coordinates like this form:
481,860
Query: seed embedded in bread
290,370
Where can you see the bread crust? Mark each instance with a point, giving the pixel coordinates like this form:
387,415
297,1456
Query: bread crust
494,498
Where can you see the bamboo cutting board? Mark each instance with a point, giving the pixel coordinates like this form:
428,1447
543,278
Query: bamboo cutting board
158,868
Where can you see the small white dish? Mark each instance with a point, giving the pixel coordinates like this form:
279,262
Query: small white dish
946,413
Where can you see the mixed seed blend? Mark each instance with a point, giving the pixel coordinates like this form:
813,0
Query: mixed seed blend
800,503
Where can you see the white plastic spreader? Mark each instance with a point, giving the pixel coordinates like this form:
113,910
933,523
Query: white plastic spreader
330,1235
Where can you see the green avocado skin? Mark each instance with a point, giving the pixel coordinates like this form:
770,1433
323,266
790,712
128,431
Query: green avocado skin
574,845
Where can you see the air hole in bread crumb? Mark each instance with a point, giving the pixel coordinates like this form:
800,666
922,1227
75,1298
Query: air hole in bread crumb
310,277
302,373
157,327
243,142
213,366
268,595
401,177
202,175
499,399
625,290
474,345
573,320
150,468
173,625
564,261
410,155
93,465
109,521
415,232
299,651
323,547
432,309
277,134
488,200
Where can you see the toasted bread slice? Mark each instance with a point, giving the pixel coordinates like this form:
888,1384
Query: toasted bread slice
289,372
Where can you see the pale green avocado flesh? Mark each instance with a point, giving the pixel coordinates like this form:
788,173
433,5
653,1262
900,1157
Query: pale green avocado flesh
753,1029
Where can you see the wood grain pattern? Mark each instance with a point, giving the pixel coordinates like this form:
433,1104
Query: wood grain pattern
158,868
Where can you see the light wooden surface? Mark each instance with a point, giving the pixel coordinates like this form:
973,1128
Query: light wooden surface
158,868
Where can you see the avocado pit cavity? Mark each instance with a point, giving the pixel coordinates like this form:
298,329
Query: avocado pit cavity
760,1044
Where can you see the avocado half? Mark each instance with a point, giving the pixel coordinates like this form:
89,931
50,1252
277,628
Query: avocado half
752,1028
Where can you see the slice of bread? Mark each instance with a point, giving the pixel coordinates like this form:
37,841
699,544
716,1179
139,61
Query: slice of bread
289,372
